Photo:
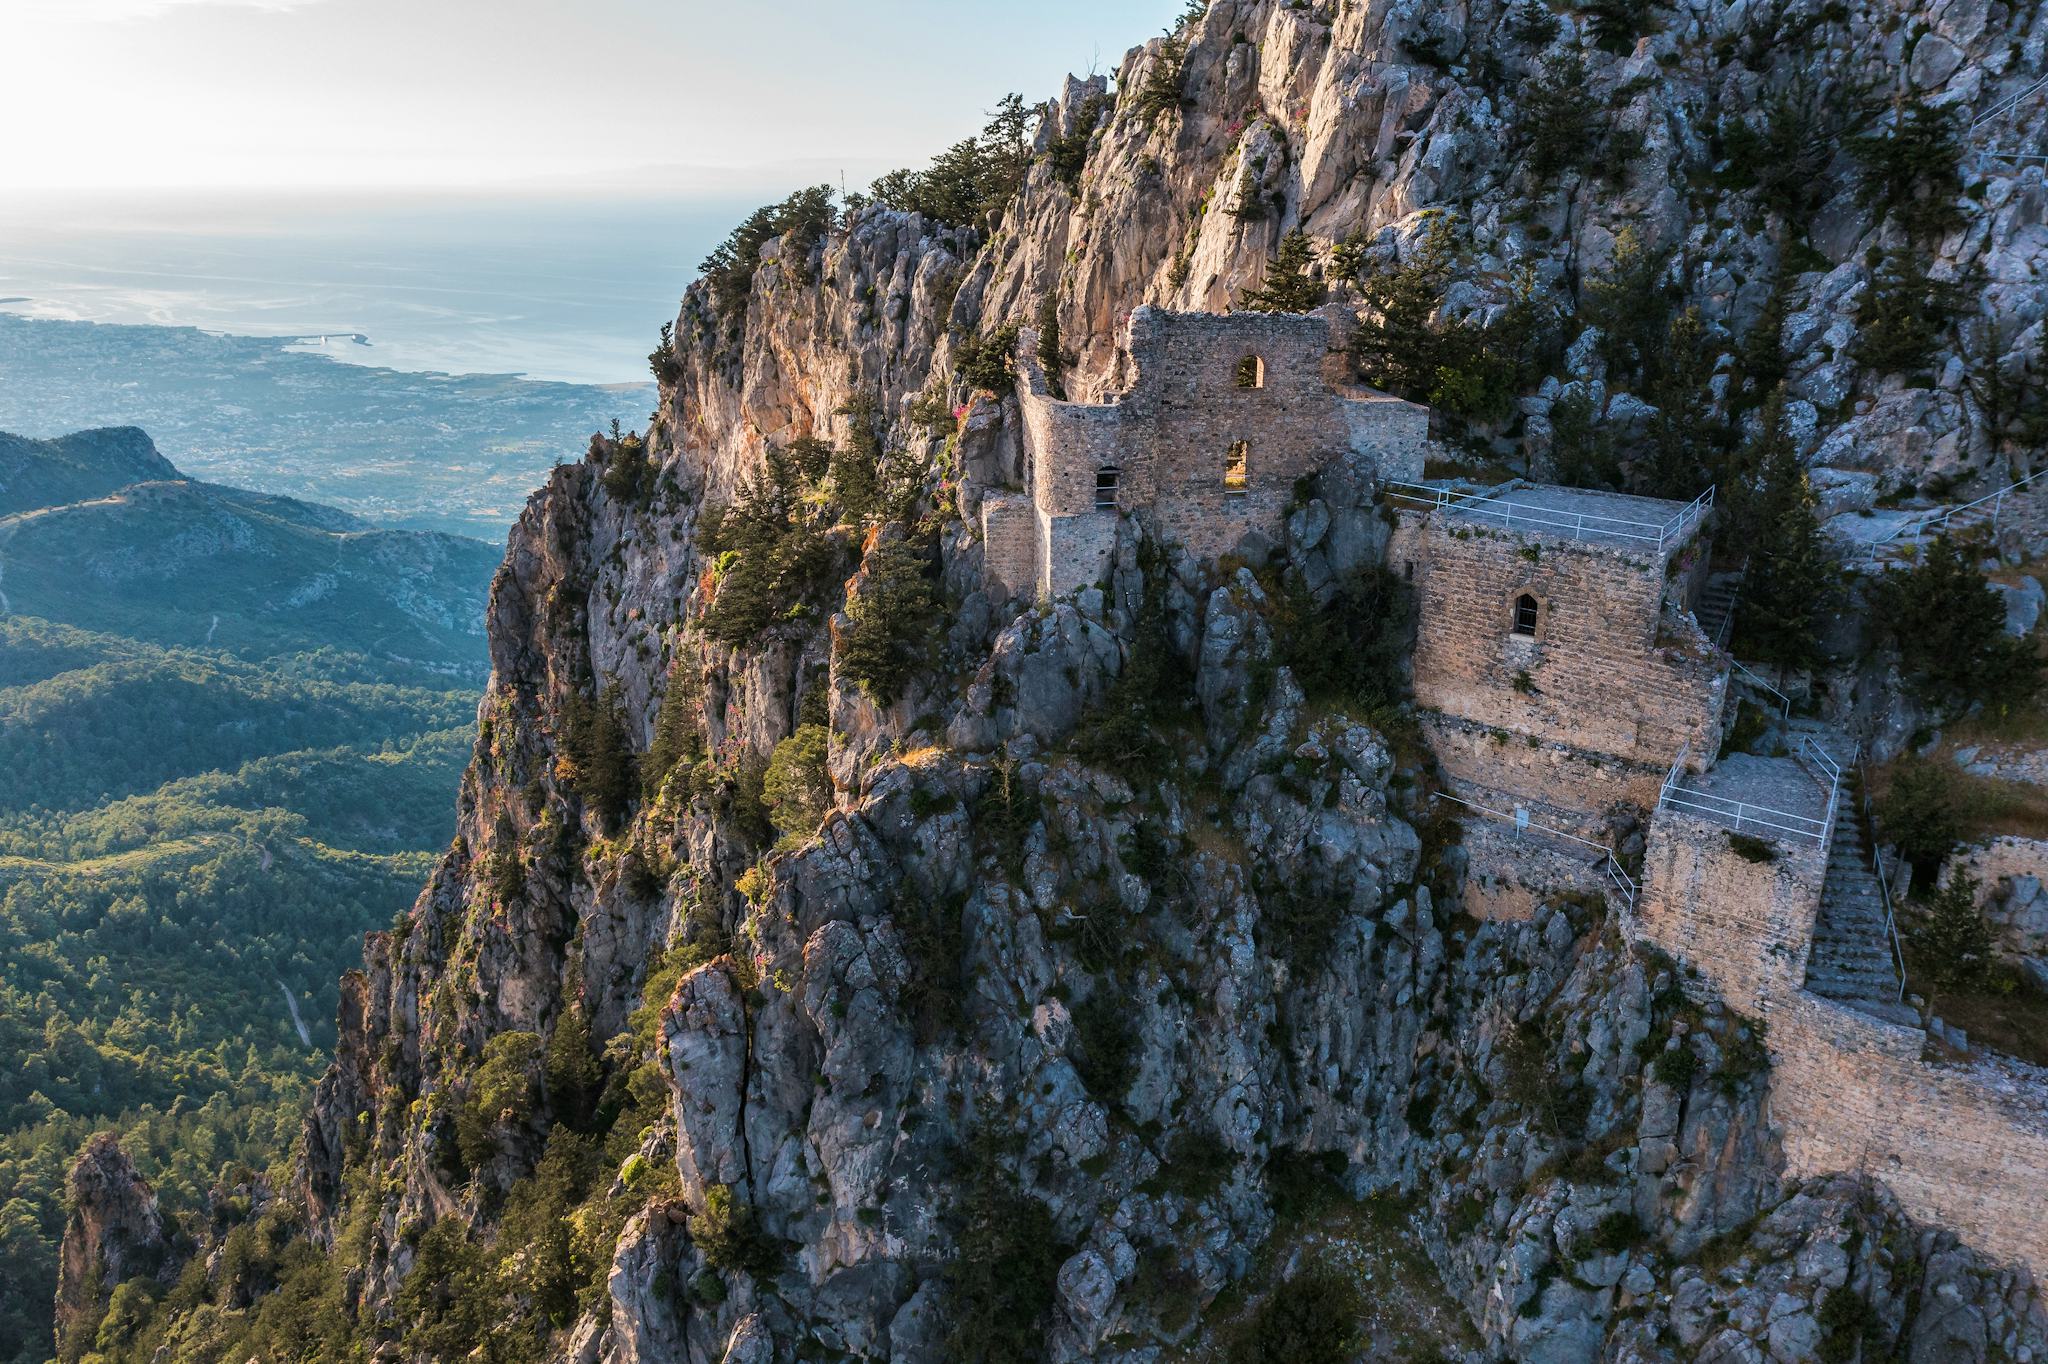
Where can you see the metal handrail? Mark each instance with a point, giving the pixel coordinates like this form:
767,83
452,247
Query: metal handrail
1785,707
1482,503
1616,874
1742,813
1884,887
1941,516
2007,105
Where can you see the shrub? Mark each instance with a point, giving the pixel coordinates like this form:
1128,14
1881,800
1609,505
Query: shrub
1312,1318
1616,24
1001,1281
1614,1233
773,548
1847,1323
729,1239
1676,1066
892,621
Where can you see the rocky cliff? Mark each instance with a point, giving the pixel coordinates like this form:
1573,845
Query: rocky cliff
838,960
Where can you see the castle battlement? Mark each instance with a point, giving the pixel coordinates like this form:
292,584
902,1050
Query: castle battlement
1214,419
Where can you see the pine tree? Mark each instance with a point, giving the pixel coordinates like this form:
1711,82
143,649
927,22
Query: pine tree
1289,287
1052,356
1792,579
1912,169
1684,431
1949,628
1762,361
1900,321
1951,942
891,620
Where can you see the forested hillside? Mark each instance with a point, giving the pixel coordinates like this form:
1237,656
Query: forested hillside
194,839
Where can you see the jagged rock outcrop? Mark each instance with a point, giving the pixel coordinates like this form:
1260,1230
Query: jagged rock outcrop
113,1235
1122,972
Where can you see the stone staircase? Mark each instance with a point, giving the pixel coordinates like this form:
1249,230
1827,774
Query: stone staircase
1851,960
1716,609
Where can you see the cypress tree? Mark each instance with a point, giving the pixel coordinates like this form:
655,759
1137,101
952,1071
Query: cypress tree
1289,288
1792,578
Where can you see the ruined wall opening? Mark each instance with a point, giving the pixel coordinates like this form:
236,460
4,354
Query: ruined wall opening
1251,372
1237,467
1528,615
1105,487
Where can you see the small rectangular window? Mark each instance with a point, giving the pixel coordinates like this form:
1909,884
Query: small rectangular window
1105,489
1237,467
1526,615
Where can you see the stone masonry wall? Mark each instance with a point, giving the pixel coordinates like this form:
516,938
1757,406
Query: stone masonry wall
1608,671
1009,538
1963,1145
1746,926
1170,437
1562,785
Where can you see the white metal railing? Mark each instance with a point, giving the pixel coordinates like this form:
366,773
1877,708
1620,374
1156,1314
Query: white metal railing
1935,518
1743,816
1617,876
1486,505
1884,887
1784,701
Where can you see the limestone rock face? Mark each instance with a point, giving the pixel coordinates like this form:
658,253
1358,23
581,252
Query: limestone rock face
114,1234
1114,923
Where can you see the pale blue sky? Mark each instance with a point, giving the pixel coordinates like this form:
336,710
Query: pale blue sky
655,95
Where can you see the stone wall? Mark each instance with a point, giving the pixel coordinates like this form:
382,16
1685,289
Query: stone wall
1746,926
1510,875
1009,540
1558,783
1609,671
1170,437
1962,1145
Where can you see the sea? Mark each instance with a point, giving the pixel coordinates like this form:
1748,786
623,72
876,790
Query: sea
419,361
554,286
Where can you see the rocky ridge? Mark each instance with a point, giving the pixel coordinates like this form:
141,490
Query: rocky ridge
1110,929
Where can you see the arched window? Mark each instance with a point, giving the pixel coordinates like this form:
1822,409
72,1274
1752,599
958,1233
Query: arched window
1527,612
1105,488
1237,467
1251,372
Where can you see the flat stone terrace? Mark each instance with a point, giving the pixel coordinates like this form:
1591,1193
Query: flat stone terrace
1583,516
1764,797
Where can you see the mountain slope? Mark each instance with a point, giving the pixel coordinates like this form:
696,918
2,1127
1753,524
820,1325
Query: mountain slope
182,563
75,468
838,958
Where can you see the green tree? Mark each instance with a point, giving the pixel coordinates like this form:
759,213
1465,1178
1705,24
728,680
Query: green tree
1631,303
1052,356
1791,579
1558,118
1948,626
1951,941
602,754
1902,316
802,219
1001,1281
1288,286
1912,168
1685,432
730,1239
570,1070
797,789
1921,813
1582,446
892,620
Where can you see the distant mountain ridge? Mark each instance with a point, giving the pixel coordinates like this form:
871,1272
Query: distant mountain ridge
50,473
99,530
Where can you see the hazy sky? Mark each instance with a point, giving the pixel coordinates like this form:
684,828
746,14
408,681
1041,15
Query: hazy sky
660,95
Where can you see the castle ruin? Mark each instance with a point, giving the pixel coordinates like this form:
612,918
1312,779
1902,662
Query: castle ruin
1217,417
